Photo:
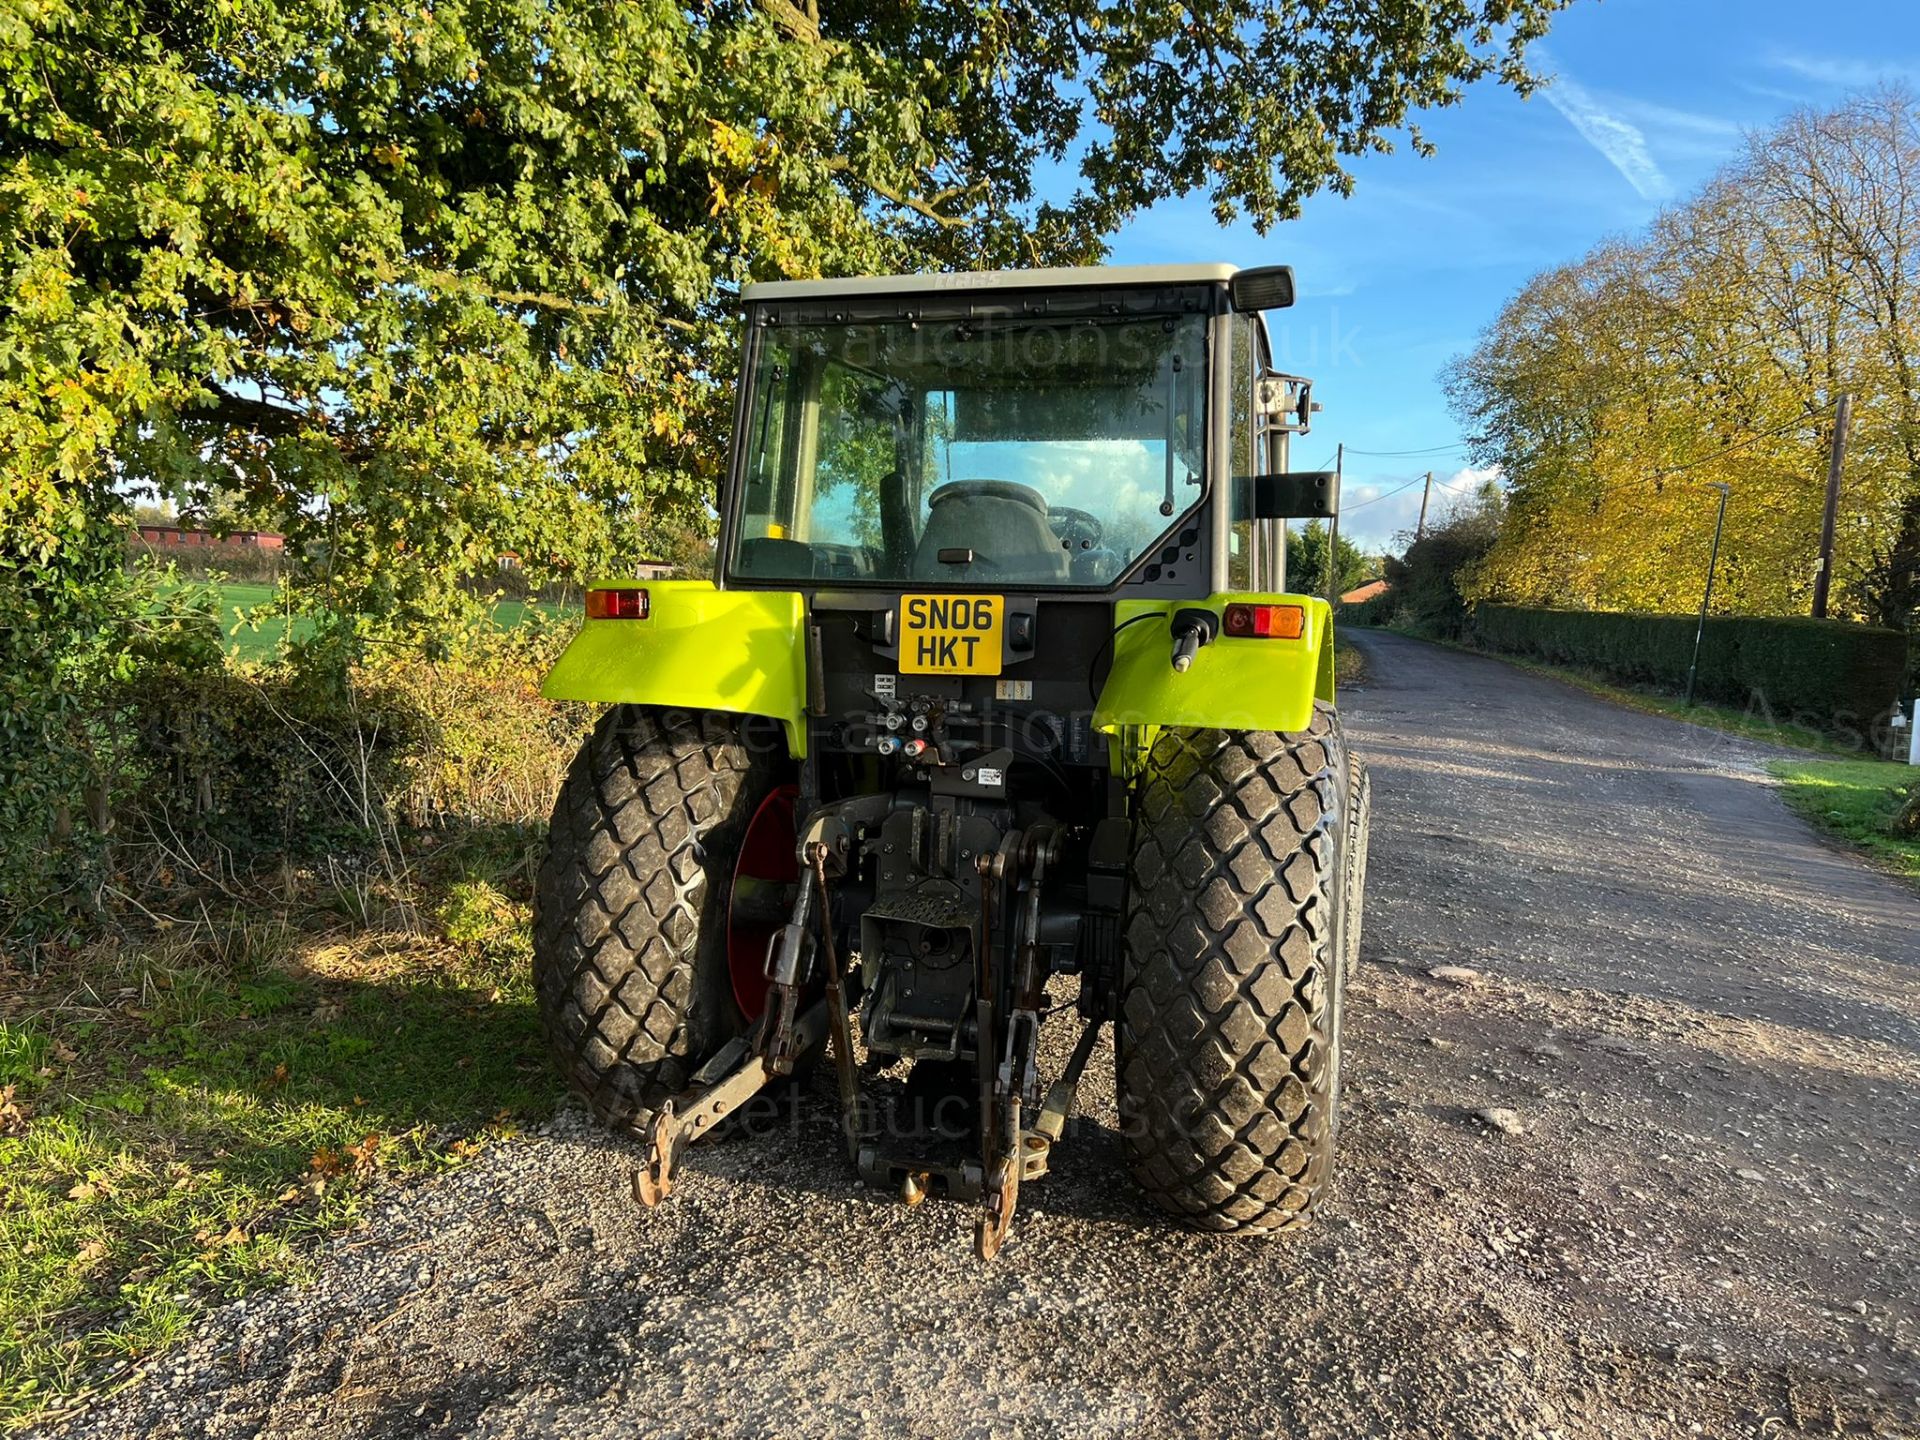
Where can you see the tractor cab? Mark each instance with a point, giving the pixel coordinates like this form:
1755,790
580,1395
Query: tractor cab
1035,430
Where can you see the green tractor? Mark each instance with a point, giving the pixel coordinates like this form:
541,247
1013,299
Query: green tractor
998,682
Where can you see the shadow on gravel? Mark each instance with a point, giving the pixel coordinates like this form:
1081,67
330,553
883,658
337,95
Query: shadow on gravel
611,1328
791,1139
800,1149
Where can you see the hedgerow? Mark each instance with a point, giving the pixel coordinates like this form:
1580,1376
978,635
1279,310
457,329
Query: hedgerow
1825,672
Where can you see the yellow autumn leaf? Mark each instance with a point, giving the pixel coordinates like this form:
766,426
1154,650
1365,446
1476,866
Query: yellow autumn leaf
735,146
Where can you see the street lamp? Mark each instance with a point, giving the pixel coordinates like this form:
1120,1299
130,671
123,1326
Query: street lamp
1713,562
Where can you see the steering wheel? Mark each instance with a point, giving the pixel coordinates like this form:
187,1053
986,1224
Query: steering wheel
1077,529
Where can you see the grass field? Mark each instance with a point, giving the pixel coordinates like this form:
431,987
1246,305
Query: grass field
261,641
255,631
1856,800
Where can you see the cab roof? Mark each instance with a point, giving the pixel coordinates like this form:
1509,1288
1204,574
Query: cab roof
1066,276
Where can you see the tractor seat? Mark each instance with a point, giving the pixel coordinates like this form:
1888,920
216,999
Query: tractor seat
1005,526
768,557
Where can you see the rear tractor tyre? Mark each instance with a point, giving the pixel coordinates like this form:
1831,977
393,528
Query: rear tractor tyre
1354,881
1227,1040
630,962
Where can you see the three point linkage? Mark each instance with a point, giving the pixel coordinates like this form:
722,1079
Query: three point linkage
786,1033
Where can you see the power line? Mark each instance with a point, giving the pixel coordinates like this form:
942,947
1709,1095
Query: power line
1655,477
1456,487
1643,482
1734,449
1463,486
1387,496
1405,454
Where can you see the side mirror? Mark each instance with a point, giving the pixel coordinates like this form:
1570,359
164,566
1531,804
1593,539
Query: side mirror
1270,287
1297,495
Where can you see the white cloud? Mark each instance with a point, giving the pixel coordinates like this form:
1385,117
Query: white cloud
1668,118
1686,138
1467,480
1615,137
1842,73
1389,522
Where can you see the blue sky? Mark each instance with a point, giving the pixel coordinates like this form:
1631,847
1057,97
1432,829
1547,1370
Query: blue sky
1651,98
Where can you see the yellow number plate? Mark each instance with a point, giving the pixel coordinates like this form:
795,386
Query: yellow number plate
950,634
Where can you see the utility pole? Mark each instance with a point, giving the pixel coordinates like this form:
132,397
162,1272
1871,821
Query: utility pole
1425,495
1333,529
1713,563
1272,545
1823,577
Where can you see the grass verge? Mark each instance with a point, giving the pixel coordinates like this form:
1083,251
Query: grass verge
1349,665
179,1114
1855,800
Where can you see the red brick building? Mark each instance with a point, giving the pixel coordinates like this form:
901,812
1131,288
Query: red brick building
173,537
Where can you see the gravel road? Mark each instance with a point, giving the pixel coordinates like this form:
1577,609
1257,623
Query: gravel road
1694,1210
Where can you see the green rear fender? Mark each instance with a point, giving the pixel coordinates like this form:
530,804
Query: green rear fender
744,652
739,651
1233,684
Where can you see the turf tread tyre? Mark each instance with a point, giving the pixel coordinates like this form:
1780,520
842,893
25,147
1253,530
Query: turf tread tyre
1232,955
630,966
1354,877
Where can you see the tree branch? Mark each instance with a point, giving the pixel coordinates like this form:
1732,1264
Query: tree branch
840,164
539,300
239,412
792,21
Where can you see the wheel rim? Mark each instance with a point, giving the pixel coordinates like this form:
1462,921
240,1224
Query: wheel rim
763,878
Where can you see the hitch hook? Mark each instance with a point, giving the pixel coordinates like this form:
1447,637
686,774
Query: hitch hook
653,1180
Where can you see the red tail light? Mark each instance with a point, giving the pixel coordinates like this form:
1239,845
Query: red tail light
1266,622
619,604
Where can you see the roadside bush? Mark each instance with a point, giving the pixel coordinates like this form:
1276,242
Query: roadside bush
1825,672
1906,820
73,630
1427,582
143,757
287,760
213,562
1382,609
